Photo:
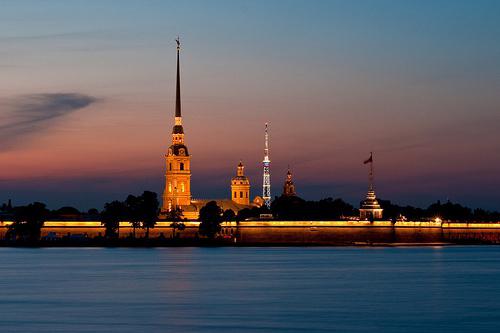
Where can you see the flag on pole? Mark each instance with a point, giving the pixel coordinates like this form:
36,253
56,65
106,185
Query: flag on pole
369,160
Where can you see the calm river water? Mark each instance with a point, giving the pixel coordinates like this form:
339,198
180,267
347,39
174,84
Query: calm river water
421,289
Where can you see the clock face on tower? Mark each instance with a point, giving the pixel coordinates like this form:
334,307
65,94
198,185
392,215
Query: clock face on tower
169,151
182,152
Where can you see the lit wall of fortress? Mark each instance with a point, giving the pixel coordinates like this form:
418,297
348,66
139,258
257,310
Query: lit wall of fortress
301,232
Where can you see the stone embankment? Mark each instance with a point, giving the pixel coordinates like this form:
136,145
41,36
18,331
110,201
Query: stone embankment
300,232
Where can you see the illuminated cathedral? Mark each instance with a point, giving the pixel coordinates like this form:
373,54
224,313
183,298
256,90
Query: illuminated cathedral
177,192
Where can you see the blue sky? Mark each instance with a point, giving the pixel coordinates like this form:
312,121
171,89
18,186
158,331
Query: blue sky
415,81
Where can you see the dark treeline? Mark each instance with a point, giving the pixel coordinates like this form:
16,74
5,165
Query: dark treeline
294,208
63,213
447,211
142,212
145,207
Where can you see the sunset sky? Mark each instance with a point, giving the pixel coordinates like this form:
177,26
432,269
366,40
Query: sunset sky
87,94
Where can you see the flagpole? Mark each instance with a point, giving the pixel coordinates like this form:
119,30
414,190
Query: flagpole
371,171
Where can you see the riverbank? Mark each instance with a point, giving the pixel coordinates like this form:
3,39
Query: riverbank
145,243
269,233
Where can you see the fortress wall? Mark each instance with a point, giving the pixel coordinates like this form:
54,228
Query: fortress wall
302,232
338,235
465,235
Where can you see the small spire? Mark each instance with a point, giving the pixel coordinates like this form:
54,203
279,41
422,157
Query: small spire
289,186
240,172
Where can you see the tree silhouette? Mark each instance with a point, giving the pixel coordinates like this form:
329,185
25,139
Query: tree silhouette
66,213
134,208
247,213
150,208
175,215
93,211
211,218
28,221
6,207
111,216
228,215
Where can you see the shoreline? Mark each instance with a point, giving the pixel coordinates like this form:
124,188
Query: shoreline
266,233
153,243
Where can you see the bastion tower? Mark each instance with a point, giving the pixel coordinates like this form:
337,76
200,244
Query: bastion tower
177,191
240,186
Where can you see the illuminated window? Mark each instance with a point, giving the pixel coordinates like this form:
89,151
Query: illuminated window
170,187
182,187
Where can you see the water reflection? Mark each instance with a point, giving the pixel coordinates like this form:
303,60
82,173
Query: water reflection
449,289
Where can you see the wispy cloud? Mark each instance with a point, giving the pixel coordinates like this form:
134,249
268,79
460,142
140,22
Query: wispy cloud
28,114
60,35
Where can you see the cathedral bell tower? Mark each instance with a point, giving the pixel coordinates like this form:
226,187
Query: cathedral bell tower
177,191
240,187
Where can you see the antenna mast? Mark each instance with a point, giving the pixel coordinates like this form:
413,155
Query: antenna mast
266,186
